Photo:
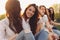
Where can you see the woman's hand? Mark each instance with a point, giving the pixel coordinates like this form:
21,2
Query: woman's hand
53,36
13,37
56,36
55,23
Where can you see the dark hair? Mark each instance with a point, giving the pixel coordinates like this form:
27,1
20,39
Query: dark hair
13,9
51,15
33,20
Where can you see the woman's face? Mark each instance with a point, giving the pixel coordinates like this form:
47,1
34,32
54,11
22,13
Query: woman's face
30,11
42,10
51,10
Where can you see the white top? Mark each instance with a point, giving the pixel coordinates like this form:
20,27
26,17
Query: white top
43,20
5,31
26,26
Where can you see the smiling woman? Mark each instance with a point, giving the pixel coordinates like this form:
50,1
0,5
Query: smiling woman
2,6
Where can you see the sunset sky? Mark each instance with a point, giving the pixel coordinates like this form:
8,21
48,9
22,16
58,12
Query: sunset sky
25,3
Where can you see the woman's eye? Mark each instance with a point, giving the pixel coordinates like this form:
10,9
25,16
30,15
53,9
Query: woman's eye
29,9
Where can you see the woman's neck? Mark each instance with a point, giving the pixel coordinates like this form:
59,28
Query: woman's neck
39,16
25,18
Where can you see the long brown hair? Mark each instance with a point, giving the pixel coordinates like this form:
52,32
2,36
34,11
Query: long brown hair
51,15
13,9
33,20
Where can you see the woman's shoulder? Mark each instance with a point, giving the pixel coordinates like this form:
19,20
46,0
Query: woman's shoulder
4,22
45,16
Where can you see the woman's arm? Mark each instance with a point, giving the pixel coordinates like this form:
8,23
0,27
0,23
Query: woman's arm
47,23
55,23
13,37
48,26
39,26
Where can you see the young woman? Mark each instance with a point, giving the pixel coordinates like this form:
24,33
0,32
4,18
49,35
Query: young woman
29,23
51,15
43,25
11,25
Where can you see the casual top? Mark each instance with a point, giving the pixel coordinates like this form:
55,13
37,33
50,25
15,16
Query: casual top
26,26
5,31
43,20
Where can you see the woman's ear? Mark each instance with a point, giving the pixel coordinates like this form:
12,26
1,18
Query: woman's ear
7,14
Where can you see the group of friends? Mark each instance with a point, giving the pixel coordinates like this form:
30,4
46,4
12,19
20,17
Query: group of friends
36,23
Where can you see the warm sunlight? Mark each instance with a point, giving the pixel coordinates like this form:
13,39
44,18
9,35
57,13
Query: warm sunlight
24,3
47,3
2,6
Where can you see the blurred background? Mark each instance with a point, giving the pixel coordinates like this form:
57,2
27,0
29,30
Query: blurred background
24,3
